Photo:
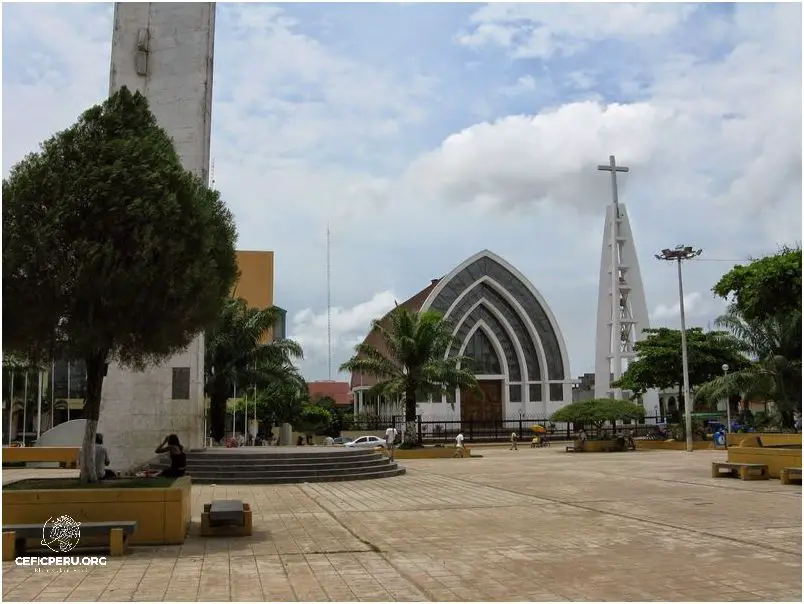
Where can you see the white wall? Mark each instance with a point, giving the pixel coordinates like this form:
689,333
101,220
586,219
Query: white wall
137,411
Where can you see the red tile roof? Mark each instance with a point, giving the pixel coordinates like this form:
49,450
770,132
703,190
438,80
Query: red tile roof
338,391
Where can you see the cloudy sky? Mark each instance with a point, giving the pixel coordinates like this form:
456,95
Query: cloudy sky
425,133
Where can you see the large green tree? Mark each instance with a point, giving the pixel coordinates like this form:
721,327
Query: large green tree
658,359
239,354
774,346
410,360
764,288
111,250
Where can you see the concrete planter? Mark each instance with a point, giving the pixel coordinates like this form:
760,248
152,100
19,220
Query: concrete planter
671,445
598,446
769,439
775,459
162,513
429,453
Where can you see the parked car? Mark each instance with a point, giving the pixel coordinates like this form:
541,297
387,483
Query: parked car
366,442
341,440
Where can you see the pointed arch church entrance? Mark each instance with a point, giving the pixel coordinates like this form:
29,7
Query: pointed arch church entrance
485,406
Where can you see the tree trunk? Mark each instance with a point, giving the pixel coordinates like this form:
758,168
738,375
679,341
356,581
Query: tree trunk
411,432
217,415
96,371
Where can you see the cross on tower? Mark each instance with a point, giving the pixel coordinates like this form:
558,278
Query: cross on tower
613,168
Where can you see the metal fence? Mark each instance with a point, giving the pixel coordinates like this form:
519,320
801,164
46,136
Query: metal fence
444,431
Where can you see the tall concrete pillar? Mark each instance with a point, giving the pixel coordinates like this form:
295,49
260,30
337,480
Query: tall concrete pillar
164,50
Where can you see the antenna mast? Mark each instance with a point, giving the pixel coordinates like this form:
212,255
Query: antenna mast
329,309
212,175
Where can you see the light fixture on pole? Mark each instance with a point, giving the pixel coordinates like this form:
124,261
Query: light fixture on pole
725,369
683,252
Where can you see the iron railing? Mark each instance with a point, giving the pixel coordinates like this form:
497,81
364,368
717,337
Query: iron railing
434,431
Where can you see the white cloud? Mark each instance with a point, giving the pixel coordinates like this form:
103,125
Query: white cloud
697,305
349,326
550,157
538,30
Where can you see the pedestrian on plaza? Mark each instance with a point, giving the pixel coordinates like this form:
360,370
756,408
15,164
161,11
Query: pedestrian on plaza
390,440
459,449
514,438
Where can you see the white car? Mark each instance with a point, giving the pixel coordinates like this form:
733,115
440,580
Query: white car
366,442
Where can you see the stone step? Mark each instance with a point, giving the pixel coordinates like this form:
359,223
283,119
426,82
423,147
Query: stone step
301,474
283,458
257,479
262,465
283,465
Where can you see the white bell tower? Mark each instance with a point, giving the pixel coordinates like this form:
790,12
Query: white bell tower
622,312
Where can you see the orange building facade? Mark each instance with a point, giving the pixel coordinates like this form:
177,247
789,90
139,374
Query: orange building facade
256,283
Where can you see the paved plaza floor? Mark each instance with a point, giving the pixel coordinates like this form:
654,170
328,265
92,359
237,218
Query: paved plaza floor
537,524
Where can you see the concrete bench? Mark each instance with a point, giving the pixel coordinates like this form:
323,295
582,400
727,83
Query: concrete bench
790,475
744,471
117,532
226,518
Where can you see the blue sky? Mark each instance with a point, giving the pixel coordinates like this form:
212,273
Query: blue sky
423,133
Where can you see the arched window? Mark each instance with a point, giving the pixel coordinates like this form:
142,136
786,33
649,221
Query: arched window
479,348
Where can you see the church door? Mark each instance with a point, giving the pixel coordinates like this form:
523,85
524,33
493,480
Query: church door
482,407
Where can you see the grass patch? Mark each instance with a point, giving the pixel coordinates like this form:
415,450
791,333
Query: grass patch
44,484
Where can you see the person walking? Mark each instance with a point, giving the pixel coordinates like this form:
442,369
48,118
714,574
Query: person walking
390,440
514,438
459,450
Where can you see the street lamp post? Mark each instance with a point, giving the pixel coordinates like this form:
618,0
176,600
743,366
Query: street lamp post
725,369
683,252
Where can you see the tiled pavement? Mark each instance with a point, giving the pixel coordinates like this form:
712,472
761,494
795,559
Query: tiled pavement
526,525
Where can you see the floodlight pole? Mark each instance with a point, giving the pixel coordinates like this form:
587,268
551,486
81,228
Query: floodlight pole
725,369
683,252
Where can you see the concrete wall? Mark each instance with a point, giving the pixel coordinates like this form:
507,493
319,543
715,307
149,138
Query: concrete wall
164,50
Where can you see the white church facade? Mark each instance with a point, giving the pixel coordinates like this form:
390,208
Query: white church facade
502,321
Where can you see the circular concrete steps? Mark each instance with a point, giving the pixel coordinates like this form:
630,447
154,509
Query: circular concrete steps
284,465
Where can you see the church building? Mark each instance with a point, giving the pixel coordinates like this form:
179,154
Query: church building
502,322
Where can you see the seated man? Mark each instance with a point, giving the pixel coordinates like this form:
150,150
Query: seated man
581,439
102,460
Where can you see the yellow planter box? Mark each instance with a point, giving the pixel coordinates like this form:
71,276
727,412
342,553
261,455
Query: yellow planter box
429,453
775,459
597,446
671,445
66,455
162,513
769,439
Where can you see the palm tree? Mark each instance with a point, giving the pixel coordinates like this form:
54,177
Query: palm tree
411,360
237,354
774,347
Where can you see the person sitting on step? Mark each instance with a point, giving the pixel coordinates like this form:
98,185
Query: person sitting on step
102,460
178,459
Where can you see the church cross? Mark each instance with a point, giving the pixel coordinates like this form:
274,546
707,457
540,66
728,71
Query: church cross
613,168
